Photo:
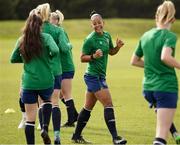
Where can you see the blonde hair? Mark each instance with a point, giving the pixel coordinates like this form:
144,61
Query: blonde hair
44,11
165,12
58,15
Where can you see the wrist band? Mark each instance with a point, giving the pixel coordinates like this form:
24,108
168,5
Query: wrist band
92,58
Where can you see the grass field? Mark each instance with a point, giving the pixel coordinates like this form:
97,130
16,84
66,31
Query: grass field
133,118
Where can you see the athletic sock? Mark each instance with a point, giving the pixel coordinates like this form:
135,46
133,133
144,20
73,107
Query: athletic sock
110,121
46,114
21,104
159,141
71,111
56,120
173,129
29,132
82,121
63,100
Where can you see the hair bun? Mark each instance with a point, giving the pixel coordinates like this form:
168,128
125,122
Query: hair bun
93,12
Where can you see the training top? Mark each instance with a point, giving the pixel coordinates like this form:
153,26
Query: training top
55,33
157,75
66,57
37,74
93,42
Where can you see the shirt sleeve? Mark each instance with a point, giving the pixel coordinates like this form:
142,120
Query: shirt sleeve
64,44
16,56
53,48
170,41
87,46
139,51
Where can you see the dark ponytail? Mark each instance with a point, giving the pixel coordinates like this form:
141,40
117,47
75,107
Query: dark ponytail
92,13
30,46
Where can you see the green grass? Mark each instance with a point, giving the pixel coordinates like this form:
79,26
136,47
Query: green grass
133,118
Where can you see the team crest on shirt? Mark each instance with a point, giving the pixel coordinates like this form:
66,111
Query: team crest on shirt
100,42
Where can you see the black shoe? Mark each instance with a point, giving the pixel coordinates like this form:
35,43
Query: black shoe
68,124
119,140
79,140
57,141
45,136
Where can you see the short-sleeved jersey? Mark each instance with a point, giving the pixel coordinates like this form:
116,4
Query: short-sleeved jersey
37,73
157,75
55,33
66,57
93,42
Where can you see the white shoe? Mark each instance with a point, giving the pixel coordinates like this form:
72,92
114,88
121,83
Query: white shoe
22,124
39,127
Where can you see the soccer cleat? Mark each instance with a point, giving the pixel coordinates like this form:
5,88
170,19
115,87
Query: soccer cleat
22,123
79,140
57,141
176,137
45,136
68,124
119,140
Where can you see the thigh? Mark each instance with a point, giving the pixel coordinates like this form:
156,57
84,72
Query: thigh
66,88
57,82
55,97
90,100
31,110
166,99
92,82
104,97
149,96
29,96
164,121
46,94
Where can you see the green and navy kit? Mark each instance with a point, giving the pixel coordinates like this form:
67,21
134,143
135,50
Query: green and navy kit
55,33
66,57
158,76
95,41
37,73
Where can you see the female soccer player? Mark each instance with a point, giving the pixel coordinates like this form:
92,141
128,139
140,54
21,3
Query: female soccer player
157,46
68,70
35,50
44,13
95,52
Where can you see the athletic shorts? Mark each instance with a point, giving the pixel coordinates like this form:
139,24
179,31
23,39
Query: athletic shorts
95,83
57,82
31,96
68,75
159,99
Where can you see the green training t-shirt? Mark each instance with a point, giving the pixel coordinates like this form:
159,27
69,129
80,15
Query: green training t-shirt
55,33
157,75
93,42
66,57
37,73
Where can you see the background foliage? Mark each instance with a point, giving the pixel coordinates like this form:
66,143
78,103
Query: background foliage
19,9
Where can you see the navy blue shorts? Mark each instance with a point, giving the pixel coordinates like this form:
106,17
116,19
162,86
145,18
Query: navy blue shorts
68,75
95,83
57,82
159,99
31,96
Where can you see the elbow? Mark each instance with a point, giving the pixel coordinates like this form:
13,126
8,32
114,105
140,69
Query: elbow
82,60
164,59
133,63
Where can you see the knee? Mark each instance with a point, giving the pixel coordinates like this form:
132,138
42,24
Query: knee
108,104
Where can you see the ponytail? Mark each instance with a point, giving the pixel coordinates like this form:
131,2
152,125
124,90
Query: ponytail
165,12
30,45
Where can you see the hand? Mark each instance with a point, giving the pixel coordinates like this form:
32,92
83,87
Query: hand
98,54
119,43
